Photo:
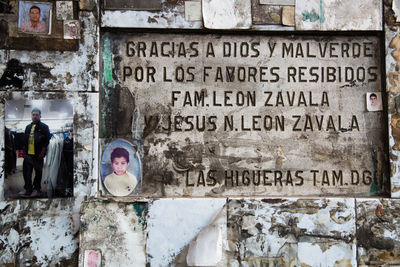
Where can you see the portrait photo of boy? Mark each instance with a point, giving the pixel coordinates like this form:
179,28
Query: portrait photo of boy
34,17
120,168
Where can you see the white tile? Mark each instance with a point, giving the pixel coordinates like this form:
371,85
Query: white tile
278,2
192,10
174,223
297,231
288,16
227,14
341,15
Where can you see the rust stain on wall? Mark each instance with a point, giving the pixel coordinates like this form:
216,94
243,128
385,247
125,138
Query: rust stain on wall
377,232
394,79
395,124
395,44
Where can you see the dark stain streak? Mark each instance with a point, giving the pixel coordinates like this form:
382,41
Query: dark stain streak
151,126
151,20
367,239
350,84
5,208
186,158
3,31
289,228
41,71
272,201
12,76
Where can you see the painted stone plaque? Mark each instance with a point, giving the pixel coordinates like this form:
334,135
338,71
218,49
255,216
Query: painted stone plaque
225,115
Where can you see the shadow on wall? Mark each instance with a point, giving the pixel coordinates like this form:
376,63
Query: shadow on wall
13,74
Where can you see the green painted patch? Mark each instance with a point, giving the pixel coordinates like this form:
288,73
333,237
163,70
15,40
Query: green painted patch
313,15
107,78
310,16
141,211
112,227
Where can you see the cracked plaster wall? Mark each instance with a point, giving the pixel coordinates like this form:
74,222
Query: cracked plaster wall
46,232
277,232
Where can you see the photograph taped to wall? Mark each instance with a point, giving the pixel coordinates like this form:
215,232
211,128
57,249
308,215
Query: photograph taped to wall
38,149
374,101
72,29
121,169
92,258
34,17
64,10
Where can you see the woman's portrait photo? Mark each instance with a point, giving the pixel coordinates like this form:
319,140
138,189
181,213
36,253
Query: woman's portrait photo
121,168
34,17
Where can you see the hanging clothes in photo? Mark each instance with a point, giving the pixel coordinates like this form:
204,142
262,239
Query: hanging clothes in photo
65,174
52,163
10,163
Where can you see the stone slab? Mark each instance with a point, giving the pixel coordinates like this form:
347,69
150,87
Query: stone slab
378,232
193,10
36,232
342,15
117,230
133,4
176,224
291,232
392,59
250,120
265,14
229,14
171,15
288,16
277,2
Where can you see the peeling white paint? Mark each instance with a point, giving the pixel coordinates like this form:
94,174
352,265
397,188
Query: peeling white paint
114,229
51,228
173,223
13,239
313,255
166,18
278,2
338,15
192,10
45,234
290,228
228,14
70,70
207,248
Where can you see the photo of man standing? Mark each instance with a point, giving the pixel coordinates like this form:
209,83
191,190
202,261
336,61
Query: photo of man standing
36,140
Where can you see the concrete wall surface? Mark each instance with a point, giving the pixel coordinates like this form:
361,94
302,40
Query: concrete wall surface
170,219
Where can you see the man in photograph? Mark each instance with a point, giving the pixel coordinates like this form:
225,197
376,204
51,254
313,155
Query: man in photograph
374,103
36,140
34,25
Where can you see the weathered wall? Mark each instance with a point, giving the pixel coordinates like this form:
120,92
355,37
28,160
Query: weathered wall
46,232
192,231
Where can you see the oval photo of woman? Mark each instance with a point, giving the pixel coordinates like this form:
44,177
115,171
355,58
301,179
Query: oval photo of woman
120,168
